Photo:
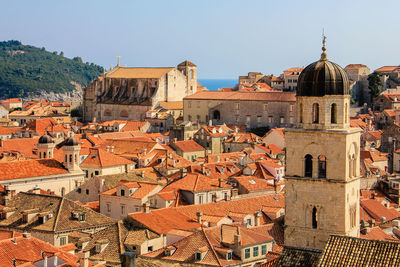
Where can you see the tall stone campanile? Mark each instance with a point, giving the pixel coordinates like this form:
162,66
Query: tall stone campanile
322,160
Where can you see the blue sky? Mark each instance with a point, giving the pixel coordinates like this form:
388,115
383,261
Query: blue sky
225,38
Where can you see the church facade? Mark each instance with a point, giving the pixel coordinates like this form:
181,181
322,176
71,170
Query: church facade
128,93
322,160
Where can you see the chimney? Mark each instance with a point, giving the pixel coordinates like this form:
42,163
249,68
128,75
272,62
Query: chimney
199,215
146,207
220,181
237,239
26,235
83,258
258,218
129,259
183,172
371,222
210,123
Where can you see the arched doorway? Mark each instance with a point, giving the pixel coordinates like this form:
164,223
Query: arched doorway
216,115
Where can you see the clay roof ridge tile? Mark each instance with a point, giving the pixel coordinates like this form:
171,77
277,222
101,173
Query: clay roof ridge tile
212,247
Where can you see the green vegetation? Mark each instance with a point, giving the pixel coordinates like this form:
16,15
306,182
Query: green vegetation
25,69
374,85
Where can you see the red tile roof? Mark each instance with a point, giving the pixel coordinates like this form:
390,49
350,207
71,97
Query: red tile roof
133,126
390,112
12,100
101,158
377,211
388,69
188,146
26,251
25,146
376,233
244,96
30,168
355,66
270,148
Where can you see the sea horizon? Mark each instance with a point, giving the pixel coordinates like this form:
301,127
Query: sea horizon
215,84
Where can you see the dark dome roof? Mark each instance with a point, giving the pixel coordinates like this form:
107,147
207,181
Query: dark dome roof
45,139
323,78
71,141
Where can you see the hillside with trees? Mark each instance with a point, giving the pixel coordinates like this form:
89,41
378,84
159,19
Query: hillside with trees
26,69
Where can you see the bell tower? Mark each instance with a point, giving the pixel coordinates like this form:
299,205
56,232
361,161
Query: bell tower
190,71
322,160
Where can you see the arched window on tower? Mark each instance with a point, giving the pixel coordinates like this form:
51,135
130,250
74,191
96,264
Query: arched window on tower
191,74
314,218
315,113
301,113
354,166
322,166
308,166
333,113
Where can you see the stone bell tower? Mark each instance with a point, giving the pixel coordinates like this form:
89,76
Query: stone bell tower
322,160
190,71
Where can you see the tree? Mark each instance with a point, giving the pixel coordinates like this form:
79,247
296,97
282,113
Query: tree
374,84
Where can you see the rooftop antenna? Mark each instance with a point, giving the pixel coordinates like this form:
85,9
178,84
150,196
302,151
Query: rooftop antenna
118,61
324,56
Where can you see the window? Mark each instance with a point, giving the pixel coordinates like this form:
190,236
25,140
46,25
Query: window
314,218
247,253
229,255
291,107
333,113
108,207
308,165
190,117
216,115
282,119
200,199
291,120
191,74
264,249
237,106
255,251
315,113
248,221
79,190
96,172
270,119
322,166
265,107
70,158
198,256
122,209
63,240
150,248
87,191
122,192
189,104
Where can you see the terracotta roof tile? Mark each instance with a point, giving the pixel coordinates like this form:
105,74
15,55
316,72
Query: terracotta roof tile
244,96
101,158
188,145
30,168
172,105
351,251
134,73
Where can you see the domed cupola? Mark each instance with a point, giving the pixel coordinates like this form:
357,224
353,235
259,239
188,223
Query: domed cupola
322,98
45,139
323,78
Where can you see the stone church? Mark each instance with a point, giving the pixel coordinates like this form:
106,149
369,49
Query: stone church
128,93
322,160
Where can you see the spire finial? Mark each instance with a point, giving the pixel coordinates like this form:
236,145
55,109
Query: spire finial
324,56
118,61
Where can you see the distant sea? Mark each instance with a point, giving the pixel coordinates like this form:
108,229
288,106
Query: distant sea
214,84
